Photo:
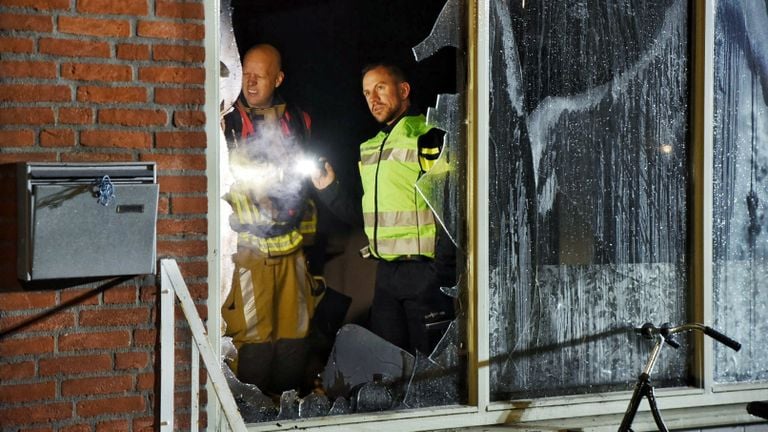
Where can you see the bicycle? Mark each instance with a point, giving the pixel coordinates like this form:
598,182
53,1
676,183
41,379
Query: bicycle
643,388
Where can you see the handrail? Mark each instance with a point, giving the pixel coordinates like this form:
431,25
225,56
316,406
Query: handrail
172,285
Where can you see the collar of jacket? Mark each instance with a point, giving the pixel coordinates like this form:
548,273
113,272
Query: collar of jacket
273,112
411,111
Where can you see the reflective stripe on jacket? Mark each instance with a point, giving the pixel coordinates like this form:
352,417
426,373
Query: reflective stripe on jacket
398,222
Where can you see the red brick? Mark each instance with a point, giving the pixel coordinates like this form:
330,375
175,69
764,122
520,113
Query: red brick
10,394
94,26
114,317
23,22
178,96
38,322
96,340
75,115
29,116
31,345
179,9
57,138
37,429
149,295
113,425
131,360
96,157
96,386
132,52
189,205
40,413
144,424
163,204
111,406
133,117
198,291
17,138
15,371
96,72
183,184
176,161
16,45
35,93
180,140
145,381
115,138
27,69
183,119
143,337
74,48
120,295
76,428
111,94
194,269
80,296
111,7
27,300
181,248
178,75
182,226
6,158
179,53
170,30
75,364
39,4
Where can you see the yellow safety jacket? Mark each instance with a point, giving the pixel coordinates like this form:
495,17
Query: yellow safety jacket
257,229
398,222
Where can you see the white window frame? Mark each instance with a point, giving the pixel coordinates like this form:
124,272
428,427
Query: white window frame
711,404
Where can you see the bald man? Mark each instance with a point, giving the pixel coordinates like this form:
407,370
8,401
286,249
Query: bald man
269,307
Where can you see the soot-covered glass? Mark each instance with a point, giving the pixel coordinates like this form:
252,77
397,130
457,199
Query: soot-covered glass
740,188
589,178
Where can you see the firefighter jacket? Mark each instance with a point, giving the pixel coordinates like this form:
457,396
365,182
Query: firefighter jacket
397,220
272,211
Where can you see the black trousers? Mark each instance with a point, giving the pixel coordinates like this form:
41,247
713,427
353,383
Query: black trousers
407,296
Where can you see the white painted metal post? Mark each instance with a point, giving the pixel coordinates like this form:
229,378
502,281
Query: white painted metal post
213,365
194,402
167,351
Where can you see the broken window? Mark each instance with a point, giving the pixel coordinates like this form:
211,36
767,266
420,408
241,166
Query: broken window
740,165
352,369
588,183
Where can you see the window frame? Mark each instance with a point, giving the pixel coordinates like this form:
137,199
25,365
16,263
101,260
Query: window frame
707,404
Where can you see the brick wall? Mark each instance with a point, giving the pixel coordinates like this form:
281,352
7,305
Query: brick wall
99,80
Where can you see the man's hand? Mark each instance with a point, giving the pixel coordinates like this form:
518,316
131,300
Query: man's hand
323,177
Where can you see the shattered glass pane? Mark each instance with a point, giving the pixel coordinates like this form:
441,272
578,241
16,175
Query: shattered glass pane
289,405
357,356
230,83
448,31
364,373
340,406
373,396
588,169
254,405
436,379
740,165
314,405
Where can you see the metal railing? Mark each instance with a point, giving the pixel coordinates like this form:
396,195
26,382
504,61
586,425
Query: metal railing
172,286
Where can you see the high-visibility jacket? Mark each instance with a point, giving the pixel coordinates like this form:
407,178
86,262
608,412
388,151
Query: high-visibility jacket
279,222
398,222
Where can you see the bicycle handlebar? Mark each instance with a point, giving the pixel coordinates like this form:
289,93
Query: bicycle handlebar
723,339
649,330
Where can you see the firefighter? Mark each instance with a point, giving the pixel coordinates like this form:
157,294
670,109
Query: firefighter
270,305
414,257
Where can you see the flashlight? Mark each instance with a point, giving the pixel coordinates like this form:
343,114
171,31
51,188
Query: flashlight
309,165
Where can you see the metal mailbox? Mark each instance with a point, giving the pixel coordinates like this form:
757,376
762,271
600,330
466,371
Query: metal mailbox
79,220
